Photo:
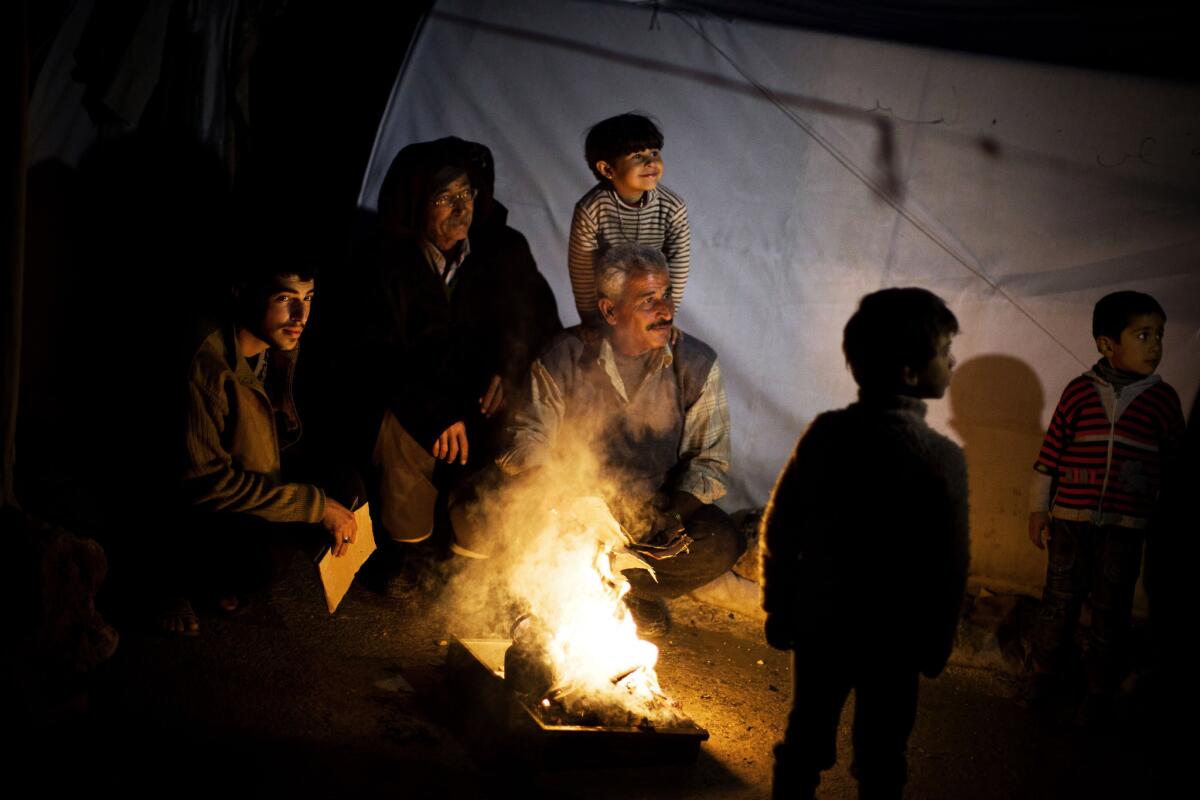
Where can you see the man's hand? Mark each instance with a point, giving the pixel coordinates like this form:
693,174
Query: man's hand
685,504
666,524
452,444
1039,529
492,400
342,526
668,516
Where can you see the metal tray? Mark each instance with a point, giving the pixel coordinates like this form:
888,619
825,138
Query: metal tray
476,668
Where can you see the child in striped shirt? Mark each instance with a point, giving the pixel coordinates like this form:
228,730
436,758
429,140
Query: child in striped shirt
1111,437
628,205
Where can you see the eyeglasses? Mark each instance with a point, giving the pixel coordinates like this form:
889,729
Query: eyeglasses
460,199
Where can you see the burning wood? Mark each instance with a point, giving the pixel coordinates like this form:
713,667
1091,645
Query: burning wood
546,732
576,658
678,544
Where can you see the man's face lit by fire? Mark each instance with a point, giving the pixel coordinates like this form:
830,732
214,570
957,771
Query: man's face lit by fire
448,215
286,312
641,320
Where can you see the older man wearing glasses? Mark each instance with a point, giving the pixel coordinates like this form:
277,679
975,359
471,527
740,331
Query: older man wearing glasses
449,310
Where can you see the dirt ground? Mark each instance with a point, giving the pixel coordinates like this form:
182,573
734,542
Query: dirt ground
288,698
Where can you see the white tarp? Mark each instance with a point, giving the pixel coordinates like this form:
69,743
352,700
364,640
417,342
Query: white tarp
817,168
61,129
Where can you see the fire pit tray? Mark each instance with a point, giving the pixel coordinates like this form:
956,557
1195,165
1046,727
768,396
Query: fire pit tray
475,667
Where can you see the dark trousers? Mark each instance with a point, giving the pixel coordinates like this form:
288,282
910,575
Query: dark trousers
717,545
218,555
1103,561
885,709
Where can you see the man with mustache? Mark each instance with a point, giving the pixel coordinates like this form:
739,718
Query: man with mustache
654,411
240,415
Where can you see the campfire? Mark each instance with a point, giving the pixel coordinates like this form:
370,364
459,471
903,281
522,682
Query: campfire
575,656
574,684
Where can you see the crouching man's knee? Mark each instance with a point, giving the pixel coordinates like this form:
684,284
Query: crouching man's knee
473,537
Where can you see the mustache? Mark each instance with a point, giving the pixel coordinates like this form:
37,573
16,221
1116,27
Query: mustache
664,324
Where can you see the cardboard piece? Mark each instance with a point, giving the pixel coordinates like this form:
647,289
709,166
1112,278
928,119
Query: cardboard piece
338,573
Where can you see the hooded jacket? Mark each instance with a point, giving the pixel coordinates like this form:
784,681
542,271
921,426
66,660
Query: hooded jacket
430,348
1106,449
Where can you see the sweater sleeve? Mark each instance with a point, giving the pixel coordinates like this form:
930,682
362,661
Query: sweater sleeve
948,557
581,263
214,483
677,247
1054,444
536,425
1174,435
705,446
1058,435
794,528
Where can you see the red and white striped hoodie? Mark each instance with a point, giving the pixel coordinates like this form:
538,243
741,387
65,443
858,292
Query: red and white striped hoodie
1104,453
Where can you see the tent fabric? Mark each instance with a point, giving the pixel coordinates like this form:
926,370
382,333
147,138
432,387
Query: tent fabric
101,68
59,125
819,167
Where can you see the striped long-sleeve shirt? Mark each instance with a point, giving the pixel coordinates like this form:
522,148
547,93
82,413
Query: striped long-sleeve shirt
1103,454
602,220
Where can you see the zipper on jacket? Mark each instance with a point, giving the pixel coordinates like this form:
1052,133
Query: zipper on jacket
1112,432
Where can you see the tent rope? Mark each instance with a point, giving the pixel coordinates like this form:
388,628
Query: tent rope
882,192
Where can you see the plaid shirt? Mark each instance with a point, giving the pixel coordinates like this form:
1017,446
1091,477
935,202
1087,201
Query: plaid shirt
704,446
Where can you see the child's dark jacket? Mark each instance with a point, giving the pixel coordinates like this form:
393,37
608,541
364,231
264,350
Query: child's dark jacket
865,537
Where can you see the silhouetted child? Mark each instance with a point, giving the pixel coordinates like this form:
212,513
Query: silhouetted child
627,206
1095,487
866,549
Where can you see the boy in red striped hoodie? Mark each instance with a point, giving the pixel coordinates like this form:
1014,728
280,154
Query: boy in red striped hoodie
1094,490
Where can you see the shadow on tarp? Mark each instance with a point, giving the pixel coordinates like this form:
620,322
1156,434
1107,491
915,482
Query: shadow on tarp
996,406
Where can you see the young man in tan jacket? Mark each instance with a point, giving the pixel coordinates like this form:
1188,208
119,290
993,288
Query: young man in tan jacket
240,415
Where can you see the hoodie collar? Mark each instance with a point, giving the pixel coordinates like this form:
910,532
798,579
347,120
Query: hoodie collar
898,403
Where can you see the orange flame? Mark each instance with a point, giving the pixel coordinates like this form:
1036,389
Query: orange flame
595,649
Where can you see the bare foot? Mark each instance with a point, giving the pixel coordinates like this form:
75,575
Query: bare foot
178,618
232,605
